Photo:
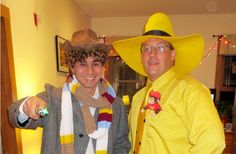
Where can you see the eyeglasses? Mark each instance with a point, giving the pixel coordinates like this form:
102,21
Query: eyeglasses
160,48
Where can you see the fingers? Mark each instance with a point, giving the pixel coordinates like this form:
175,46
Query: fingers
32,105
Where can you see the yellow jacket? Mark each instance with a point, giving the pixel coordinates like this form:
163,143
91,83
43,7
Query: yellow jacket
187,123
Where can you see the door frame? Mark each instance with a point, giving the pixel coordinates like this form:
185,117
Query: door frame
10,137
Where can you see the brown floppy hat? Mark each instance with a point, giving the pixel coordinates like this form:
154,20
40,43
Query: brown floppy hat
84,43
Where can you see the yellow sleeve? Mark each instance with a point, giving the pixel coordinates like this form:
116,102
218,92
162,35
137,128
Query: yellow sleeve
206,133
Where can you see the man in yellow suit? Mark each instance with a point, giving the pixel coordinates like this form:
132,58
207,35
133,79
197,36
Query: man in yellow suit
186,120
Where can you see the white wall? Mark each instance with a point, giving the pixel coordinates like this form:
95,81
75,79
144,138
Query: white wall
207,25
34,48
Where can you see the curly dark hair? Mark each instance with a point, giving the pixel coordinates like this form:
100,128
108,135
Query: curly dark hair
81,52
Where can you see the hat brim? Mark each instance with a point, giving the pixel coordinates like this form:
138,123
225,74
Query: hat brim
189,51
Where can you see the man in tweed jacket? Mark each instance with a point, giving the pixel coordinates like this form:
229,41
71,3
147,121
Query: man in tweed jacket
90,70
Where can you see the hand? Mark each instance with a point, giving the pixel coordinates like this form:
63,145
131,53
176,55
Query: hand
32,105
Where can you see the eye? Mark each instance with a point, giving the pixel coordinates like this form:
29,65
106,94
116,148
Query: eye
160,48
146,48
97,64
82,64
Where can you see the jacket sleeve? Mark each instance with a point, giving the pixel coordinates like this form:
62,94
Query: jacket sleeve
121,143
206,132
13,113
13,110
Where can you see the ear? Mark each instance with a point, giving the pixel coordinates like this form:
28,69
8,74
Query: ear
172,55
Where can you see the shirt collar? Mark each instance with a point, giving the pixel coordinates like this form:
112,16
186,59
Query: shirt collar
164,78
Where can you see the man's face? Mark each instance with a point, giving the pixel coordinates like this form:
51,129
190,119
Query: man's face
88,73
156,57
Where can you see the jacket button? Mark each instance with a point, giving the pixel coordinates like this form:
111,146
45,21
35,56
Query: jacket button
81,135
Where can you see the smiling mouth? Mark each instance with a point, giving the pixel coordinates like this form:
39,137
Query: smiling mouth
89,78
153,63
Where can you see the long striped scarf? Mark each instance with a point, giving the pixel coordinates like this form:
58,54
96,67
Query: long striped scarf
99,132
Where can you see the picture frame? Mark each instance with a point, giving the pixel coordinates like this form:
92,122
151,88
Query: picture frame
61,66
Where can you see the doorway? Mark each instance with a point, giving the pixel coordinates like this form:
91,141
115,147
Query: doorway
8,85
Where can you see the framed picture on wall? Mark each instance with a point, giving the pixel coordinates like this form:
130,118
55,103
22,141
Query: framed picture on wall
61,66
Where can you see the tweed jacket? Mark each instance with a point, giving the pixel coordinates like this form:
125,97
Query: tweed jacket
118,142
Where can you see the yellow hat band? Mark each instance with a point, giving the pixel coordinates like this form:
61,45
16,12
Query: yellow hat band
157,33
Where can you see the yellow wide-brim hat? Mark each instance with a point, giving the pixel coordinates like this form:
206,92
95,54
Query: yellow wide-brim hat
189,49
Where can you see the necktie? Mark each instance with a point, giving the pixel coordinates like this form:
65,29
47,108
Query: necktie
140,123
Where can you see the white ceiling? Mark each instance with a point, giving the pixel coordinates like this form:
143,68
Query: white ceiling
121,8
